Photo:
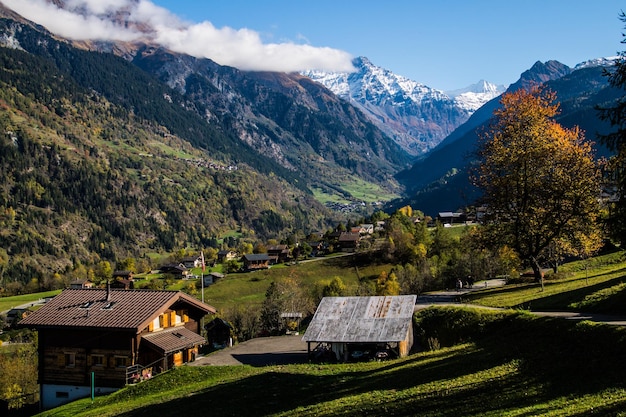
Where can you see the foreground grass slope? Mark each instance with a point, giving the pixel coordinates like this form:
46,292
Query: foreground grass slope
486,363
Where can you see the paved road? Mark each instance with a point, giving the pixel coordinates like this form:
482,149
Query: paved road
276,350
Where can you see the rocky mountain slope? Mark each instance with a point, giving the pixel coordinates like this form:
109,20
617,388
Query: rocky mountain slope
416,116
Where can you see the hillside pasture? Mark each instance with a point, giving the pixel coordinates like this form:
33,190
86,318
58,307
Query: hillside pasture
510,363
591,286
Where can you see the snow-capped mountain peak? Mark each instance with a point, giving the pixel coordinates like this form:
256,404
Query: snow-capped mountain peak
475,95
416,116
598,62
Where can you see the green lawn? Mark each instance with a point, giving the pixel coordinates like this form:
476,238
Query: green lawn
249,288
514,365
7,303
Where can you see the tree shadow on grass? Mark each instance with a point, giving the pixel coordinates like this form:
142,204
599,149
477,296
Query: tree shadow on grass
280,392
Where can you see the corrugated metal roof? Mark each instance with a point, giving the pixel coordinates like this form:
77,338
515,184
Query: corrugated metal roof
125,309
361,319
174,339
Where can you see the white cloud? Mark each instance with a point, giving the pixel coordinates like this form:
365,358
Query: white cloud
240,48
70,25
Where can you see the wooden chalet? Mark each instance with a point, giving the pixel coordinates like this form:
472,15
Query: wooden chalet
219,333
191,262
448,217
212,278
175,269
278,253
118,336
128,275
348,241
361,328
122,283
81,283
256,261
226,255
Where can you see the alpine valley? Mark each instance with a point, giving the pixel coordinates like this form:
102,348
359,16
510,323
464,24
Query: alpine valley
109,150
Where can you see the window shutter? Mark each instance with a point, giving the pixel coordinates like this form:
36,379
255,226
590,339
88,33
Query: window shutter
151,326
61,359
89,360
172,318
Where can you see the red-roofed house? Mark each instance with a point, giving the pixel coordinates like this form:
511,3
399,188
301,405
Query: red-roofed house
118,336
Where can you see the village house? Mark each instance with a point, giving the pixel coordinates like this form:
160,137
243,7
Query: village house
178,270
448,217
81,283
226,255
366,229
361,328
127,275
211,278
278,253
255,261
349,242
113,338
191,262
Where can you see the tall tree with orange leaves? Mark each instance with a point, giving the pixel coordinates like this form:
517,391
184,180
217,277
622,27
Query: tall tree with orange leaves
540,181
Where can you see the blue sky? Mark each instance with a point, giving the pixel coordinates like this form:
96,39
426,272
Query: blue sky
443,44
446,44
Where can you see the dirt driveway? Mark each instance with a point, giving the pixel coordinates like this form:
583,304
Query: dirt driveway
277,350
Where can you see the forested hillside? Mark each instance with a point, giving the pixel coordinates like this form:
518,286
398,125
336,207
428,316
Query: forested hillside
100,161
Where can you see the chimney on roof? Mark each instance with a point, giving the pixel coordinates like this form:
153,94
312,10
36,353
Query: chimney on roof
108,291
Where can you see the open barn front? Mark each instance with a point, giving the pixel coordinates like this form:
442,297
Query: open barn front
350,329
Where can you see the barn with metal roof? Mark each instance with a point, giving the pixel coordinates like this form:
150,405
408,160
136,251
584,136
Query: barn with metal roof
359,328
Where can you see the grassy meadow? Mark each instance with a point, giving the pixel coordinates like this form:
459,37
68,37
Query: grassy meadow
499,363
467,361
249,288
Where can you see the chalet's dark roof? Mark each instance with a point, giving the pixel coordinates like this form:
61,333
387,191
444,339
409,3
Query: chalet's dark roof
217,323
349,237
255,257
361,319
125,309
278,248
173,339
122,273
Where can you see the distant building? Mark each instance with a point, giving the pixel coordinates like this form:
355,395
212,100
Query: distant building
348,241
81,283
448,217
256,261
226,255
278,254
212,278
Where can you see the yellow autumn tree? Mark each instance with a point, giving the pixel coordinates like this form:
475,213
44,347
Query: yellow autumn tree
539,180
387,284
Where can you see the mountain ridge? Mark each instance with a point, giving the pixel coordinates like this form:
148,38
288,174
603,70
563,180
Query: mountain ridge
416,116
440,181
